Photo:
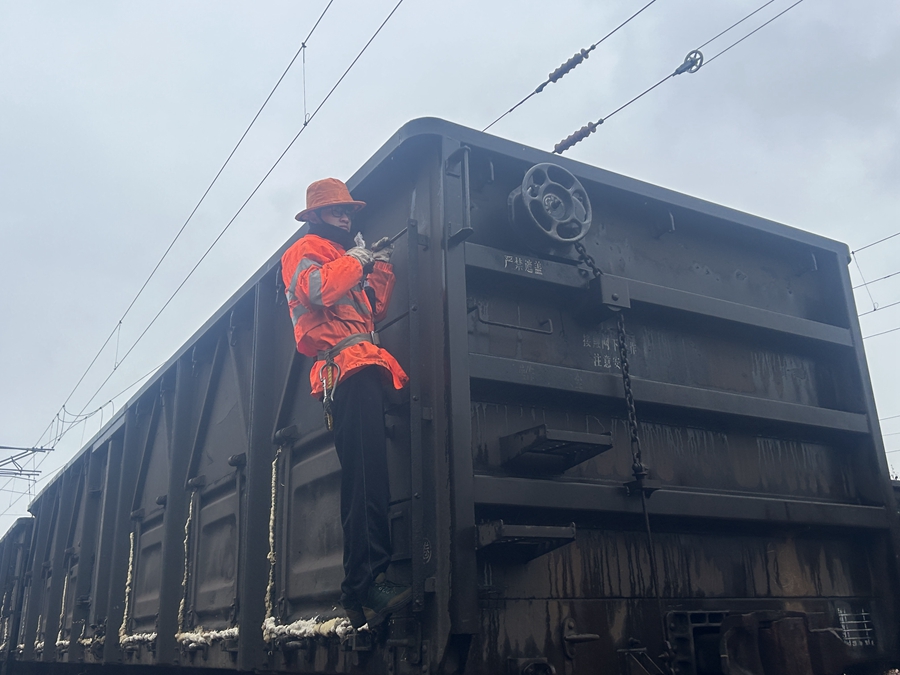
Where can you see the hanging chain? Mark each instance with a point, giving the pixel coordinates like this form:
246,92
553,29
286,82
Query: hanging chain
638,470
588,260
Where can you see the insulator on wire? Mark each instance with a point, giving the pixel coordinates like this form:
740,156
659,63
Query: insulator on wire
565,68
578,136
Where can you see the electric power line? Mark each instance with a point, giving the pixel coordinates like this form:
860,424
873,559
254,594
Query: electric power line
247,200
570,65
869,283
735,44
863,248
55,440
864,283
692,63
190,217
878,309
736,24
884,332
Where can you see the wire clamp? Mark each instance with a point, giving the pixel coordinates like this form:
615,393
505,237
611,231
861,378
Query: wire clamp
692,63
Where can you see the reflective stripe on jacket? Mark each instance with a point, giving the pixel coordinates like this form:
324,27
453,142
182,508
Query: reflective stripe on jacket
325,295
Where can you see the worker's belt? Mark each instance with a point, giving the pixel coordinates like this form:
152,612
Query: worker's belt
329,354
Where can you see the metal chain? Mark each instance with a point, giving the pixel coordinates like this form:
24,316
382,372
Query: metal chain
637,467
588,260
638,470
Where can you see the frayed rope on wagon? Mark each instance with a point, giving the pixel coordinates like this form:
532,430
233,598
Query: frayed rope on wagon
338,627
303,628
137,639
205,638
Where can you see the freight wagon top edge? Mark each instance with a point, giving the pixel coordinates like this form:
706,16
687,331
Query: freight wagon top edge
431,126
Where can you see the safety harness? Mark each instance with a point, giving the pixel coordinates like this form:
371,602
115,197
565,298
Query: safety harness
330,372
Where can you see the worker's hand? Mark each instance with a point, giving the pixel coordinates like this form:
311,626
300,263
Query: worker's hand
381,243
362,254
384,254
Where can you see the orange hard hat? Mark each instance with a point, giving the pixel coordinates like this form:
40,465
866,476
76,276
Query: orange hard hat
327,192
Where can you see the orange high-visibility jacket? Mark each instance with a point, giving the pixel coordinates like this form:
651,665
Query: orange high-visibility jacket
324,290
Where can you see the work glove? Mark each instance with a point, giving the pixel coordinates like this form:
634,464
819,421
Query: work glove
363,255
384,254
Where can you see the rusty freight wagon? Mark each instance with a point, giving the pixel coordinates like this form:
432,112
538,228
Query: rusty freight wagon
725,508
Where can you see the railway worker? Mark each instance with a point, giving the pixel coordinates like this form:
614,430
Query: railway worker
336,290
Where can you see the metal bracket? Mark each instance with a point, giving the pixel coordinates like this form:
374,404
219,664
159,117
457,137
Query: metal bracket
572,638
665,227
543,322
551,451
637,661
521,543
460,158
649,486
613,292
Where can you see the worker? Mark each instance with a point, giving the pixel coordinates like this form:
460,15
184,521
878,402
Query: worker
336,290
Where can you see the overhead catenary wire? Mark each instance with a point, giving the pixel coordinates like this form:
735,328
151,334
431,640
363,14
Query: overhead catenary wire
755,30
570,65
84,418
884,332
864,284
247,200
692,63
869,283
875,243
878,309
118,327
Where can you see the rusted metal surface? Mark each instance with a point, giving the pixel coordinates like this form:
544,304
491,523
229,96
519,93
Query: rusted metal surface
200,528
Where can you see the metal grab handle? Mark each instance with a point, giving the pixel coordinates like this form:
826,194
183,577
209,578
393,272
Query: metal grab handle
577,638
544,322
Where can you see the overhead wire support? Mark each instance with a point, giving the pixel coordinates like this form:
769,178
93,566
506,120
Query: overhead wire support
576,60
692,63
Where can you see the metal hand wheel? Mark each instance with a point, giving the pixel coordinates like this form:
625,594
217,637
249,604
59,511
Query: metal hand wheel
553,203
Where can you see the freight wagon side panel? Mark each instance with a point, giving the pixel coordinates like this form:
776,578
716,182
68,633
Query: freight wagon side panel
766,493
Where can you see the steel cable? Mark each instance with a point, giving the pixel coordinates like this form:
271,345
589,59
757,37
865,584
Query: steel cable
190,217
246,201
259,185
240,210
570,65
691,64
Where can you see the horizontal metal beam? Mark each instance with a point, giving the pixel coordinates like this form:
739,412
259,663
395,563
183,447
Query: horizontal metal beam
513,371
573,276
577,496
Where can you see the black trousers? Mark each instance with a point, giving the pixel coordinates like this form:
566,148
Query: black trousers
358,412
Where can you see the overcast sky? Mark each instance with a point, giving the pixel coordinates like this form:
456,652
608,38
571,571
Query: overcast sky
115,116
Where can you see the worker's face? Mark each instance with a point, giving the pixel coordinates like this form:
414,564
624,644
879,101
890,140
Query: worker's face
339,216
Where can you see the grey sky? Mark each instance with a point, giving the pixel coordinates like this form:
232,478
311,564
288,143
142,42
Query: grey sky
114,117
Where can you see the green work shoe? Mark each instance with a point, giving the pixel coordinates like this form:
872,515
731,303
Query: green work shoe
385,598
355,615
